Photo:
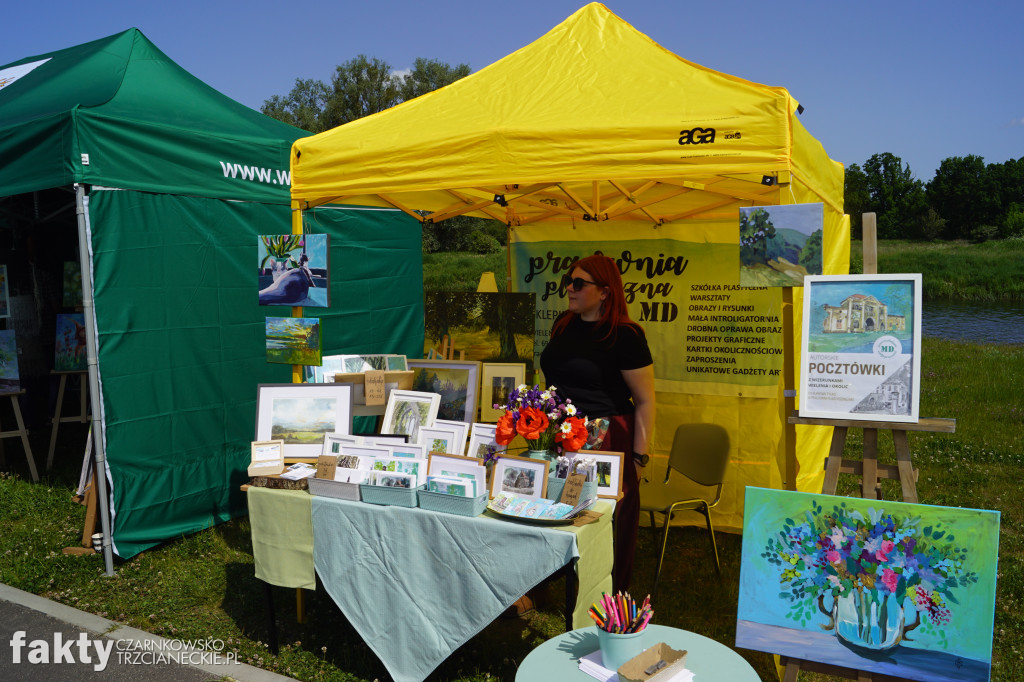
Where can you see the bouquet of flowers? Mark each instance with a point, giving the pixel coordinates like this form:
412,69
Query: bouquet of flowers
843,551
543,419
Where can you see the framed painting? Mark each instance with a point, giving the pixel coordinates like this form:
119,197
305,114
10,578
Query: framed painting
456,381
69,354
889,588
439,439
520,476
461,433
609,472
293,270
498,380
481,436
9,379
293,340
301,415
861,347
409,411
333,442
780,245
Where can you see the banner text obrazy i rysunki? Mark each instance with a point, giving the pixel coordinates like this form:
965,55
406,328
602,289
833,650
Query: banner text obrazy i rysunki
705,331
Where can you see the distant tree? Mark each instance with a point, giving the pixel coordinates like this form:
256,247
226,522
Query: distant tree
428,75
360,87
895,196
756,228
963,192
303,107
811,254
856,198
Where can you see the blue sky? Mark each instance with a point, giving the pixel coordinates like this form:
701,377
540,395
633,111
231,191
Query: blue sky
923,80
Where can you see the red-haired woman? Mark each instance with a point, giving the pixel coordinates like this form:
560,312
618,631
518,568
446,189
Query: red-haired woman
599,358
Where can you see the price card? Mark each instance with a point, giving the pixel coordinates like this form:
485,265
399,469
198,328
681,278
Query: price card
573,488
374,379
325,466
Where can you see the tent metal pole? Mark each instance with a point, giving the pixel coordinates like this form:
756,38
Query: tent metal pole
98,450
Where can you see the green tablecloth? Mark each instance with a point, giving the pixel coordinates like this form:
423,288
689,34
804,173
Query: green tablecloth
418,584
282,536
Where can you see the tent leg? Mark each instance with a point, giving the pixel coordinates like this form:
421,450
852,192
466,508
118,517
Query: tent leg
98,450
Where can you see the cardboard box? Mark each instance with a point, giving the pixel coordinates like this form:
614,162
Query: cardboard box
402,380
634,669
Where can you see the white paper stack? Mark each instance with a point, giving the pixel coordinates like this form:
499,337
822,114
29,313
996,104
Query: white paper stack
591,665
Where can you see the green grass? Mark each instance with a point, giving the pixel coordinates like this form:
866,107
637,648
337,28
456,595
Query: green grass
203,585
954,271
461,271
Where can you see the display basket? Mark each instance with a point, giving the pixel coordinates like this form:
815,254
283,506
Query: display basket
339,490
453,504
555,485
386,495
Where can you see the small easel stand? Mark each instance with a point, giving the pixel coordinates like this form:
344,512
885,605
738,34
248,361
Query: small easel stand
86,496
83,413
870,471
21,432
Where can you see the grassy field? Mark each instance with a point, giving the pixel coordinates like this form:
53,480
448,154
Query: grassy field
203,585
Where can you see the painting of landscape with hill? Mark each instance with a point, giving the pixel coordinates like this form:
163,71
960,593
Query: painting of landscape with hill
779,245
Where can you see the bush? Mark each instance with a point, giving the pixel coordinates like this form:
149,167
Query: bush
481,243
983,233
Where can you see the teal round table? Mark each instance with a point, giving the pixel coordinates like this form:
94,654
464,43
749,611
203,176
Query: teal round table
557,660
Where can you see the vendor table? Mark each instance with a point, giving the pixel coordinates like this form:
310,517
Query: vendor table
417,584
557,660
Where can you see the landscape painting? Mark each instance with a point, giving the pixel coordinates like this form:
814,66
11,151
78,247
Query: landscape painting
456,382
293,340
302,414
891,588
484,327
780,245
69,354
9,380
293,270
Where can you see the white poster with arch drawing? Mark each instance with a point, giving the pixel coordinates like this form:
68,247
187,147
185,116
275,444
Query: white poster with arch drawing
861,347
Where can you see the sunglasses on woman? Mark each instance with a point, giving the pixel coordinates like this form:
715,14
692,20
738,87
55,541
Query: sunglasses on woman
575,283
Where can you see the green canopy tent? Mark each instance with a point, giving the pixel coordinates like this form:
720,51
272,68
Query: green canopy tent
173,181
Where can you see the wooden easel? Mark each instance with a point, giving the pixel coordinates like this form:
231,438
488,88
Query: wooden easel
871,472
89,500
83,412
21,432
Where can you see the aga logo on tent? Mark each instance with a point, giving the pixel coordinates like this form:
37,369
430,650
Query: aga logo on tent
13,73
697,135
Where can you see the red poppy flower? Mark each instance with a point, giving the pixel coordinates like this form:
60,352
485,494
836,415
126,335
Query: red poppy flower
575,439
505,430
532,423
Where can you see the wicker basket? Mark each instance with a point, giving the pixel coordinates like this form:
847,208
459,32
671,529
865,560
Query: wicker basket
386,495
555,486
340,490
453,504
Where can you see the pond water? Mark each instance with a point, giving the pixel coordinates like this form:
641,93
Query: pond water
981,323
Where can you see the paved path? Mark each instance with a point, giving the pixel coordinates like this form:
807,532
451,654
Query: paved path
33,628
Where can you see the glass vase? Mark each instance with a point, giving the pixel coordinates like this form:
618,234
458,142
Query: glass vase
869,619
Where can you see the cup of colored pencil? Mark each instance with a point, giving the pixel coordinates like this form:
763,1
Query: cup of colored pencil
620,614
620,627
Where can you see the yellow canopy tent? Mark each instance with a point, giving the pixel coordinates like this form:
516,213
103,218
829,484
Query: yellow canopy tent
596,130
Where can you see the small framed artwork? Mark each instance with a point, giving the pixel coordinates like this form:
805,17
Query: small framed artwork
498,380
384,439
439,439
267,458
480,437
456,381
403,465
458,446
861,347
459,467
413,450
520,476
371,451
333,442
293,270
409,411
301,415
396,363
9,380
293,340
69,355
609,472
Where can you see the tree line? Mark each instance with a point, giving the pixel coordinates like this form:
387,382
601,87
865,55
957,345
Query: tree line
967,199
